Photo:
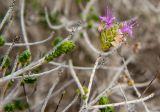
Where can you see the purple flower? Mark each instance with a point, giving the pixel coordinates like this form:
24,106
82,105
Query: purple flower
108,18
128,26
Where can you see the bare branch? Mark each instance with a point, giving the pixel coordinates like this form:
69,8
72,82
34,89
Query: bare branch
31,44
49,94
122,103
76,78
23,24
91,79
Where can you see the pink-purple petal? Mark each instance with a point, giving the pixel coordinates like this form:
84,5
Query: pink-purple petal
128,27
108,18
102,18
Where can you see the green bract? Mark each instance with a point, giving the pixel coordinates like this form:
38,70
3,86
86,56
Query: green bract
2,41
64,48
7,62
56,41
104,100
24,57
107,37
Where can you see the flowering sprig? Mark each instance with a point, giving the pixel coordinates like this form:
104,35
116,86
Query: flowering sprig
64,48
113,32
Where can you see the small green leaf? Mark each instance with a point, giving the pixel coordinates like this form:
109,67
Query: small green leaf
104,100
54,18
7,62
81,1
81,35
20,104
10,84
9,107
85,89
30,79
77,91
2,41
16,105
90,24
84,97
56,41
24,57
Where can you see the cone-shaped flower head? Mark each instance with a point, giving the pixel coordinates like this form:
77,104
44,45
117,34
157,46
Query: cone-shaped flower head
113,32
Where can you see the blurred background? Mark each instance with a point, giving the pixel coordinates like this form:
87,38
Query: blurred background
64,16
